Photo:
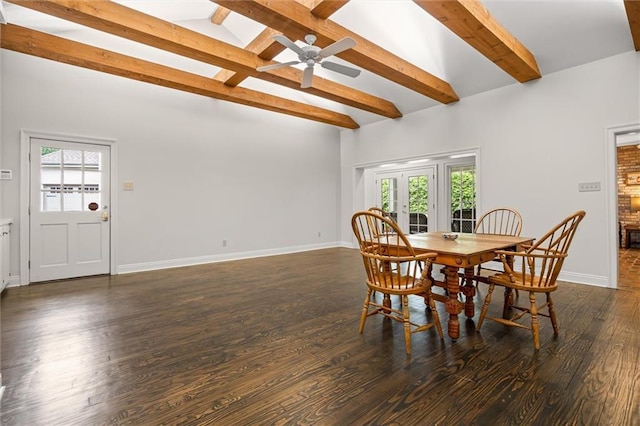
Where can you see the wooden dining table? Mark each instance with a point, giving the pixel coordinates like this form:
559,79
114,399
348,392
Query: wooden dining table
465,252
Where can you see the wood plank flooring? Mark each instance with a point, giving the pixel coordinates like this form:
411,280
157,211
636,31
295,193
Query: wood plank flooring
274,341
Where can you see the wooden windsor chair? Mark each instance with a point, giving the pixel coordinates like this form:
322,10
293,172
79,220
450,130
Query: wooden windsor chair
393,268
498,221
538,268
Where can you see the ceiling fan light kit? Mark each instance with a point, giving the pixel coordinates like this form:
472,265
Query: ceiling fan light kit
312,55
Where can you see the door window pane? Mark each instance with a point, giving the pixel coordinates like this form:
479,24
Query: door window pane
71,179
389,195
463,198
51,198
72,158
418,203
71,200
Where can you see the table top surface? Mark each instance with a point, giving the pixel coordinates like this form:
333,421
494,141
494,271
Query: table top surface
465,244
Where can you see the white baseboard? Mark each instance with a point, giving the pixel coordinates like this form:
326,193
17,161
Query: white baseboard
14,281
594,280
574,277
176,263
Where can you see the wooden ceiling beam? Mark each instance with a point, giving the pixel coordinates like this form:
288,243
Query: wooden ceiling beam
267,48
131,24
31,42
219,15
263,45
289,15
472,22
633,15
325,8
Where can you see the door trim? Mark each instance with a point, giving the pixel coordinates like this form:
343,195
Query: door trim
25,186
611,179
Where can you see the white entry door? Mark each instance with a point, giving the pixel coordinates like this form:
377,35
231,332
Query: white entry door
69,209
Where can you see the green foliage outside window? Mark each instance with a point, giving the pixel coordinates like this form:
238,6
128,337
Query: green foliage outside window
463,189
385,195
47,150
418,194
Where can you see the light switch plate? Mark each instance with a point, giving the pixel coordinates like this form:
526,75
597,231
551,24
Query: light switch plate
589,186
127,186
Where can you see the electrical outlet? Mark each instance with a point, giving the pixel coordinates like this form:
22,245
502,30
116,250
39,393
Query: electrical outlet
224,243
589,186
319,234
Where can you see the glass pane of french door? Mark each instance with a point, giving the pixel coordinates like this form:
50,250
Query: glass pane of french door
405,195
418,197
389,195
462,179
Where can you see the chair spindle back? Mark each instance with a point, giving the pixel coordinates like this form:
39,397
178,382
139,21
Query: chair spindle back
500,221
389,259
542,262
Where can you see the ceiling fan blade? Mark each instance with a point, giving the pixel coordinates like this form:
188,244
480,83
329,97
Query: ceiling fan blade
276,66
337,47
288,43
342,69
307,77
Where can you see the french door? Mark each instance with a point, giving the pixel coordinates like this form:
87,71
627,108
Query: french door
409,197
69,209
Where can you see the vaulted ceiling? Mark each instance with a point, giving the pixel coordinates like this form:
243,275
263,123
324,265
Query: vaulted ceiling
413,54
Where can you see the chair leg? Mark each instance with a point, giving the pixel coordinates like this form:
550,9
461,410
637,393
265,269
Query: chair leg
365,310
552,314
485,306
405,319
534,320
434,312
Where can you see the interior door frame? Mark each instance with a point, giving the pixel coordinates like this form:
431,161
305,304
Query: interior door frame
611,143
25,188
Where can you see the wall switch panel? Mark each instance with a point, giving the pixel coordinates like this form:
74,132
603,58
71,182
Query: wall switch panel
589,187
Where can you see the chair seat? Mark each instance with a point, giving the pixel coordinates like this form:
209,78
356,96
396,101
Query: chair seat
504,279
404,285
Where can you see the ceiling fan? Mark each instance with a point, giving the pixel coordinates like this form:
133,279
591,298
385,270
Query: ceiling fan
312,55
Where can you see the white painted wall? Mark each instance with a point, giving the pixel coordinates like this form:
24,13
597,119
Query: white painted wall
537,142
206,170
203,170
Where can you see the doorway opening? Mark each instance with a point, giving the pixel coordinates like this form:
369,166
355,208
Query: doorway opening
615,137
628,201
439,194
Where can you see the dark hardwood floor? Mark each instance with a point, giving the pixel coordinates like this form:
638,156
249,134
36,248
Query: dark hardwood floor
274,341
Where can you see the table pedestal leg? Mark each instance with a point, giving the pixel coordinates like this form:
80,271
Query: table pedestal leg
453,305
469,290
508,293
508,302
